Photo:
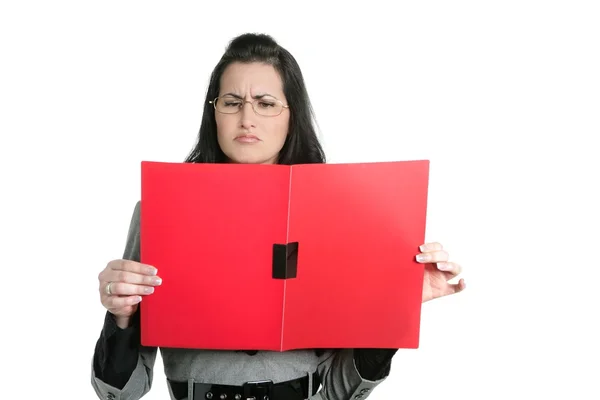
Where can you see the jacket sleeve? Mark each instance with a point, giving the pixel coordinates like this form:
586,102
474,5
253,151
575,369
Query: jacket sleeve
341,378
374,364
122,369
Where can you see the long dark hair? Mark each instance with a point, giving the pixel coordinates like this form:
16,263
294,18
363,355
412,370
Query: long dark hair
301,145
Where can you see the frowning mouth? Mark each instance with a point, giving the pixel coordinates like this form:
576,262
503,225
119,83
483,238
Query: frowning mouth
247,138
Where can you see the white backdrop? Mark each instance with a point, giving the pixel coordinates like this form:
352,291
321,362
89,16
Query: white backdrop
502,97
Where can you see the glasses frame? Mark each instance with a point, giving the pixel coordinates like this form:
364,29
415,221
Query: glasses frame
252,103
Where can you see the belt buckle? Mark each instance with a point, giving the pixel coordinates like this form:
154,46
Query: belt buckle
257,390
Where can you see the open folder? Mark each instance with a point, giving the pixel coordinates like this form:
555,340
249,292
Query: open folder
279,257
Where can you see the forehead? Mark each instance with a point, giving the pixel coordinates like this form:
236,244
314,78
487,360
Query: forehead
251,79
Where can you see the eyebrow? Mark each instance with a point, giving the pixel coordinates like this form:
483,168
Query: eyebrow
258,96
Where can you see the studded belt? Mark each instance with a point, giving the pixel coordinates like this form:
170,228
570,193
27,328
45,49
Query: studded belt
296,389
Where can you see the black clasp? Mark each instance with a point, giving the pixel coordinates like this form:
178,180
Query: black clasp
257,390
285,261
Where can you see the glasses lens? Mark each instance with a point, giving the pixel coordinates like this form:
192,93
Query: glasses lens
267,106
228,105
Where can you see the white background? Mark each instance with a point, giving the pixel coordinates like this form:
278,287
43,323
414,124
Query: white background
503,97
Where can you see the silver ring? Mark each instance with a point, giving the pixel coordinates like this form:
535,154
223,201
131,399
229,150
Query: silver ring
107,289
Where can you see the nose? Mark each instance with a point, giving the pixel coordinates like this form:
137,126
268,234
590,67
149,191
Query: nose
247,115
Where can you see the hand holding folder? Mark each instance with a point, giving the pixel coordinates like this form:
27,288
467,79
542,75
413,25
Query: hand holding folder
279,257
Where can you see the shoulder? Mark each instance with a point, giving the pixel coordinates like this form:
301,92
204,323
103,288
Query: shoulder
132,245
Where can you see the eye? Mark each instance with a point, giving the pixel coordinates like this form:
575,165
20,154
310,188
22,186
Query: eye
266,104
231,103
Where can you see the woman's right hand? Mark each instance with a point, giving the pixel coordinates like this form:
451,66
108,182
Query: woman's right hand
122,285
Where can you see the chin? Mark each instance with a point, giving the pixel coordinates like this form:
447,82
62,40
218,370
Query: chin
250,158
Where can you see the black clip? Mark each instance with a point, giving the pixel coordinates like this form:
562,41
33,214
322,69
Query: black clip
285,261
257,390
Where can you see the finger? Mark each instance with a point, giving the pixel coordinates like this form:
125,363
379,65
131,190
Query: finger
128,289
456,287
133,266
433,246
451,268
432,257
117,302
132,277
452,289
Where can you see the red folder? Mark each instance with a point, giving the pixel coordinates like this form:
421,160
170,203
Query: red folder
279,257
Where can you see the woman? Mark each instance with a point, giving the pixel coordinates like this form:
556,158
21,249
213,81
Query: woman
257,110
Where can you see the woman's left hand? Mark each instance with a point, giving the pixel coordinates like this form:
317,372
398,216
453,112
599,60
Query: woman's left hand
438,271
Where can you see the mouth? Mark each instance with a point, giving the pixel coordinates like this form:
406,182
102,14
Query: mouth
247,138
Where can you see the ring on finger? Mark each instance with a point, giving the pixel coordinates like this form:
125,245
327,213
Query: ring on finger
107,289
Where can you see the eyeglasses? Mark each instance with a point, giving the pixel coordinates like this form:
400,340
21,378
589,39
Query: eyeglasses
265,106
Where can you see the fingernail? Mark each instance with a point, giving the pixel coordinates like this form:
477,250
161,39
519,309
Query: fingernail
137,299
157,281
442,266
152,271
148,290
423,247
422,257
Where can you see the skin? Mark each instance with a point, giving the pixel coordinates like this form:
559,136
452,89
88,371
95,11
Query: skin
130,280
249,81
438,271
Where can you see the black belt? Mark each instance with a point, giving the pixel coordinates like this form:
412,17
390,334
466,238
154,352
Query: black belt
296,389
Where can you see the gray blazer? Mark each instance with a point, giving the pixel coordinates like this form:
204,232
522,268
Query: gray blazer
339,376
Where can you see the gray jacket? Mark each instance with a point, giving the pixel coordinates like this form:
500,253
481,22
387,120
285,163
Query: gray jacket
339,376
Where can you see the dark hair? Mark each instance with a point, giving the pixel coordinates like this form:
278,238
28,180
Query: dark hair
301,145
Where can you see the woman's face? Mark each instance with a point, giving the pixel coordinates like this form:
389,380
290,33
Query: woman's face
248,137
